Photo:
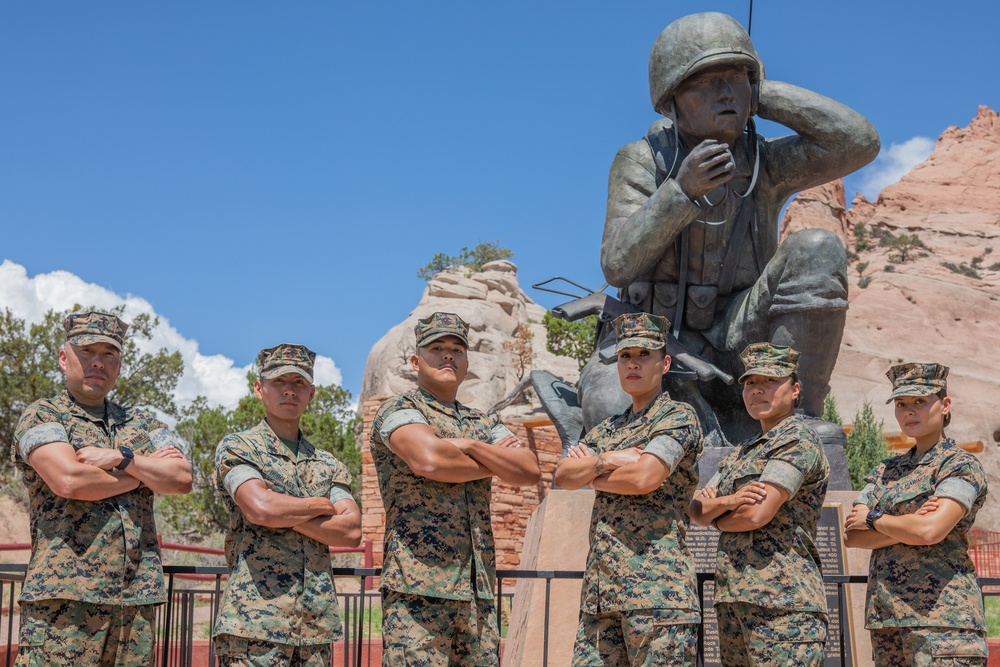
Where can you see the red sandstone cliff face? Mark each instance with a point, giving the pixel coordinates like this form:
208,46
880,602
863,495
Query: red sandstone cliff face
920,309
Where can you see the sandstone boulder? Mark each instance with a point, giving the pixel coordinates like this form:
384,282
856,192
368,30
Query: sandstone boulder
499,313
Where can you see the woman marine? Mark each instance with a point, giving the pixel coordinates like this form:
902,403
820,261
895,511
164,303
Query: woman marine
639,604
923,604
766,499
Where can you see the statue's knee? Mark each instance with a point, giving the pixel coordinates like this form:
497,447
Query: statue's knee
816,243
816,250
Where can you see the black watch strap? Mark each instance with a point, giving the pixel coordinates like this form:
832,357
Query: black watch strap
127,456
873,516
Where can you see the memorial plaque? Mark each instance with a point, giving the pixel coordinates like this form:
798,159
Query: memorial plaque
703,543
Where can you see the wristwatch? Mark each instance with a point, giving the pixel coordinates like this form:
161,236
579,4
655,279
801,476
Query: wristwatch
873,516
127,456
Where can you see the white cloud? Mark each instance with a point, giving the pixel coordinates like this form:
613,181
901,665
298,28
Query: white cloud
215,377
893,163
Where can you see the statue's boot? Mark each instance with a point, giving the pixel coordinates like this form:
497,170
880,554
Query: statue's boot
561,402
816,335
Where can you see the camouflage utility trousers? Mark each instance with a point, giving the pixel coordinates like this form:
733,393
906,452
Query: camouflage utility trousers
643,637
420,631
232,651
752,636
928,647
81,634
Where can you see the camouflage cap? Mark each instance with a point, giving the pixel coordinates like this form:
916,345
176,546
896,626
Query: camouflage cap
94,327
773,361
439,325
917,379
286,358
641,330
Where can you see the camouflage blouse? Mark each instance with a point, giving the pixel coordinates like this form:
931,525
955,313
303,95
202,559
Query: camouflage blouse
280,587
102,551
638,556
935,585
438,537
776,566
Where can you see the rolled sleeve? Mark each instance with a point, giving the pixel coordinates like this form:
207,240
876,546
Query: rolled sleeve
865,497
958,490
666,449
783,474
340,492
42,434
499,432
237,476
162,437
397,419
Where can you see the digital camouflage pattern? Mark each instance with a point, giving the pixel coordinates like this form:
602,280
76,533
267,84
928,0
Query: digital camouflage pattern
275,361
926,647
233,651
776,566
439,325
917,379
105,551
634,639
93,327
775,361
935,585
641,330
438,536
81,634
280,587
752,636
421,631
638,556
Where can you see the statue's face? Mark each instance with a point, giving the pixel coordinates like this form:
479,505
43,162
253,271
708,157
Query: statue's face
713,103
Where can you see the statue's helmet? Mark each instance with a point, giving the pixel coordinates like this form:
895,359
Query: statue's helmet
692,43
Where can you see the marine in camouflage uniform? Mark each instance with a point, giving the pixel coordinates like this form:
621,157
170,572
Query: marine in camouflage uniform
770,599
91,468
639,603
435,460
924,605
288,502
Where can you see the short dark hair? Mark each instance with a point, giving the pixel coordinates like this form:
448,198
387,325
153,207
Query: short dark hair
942,395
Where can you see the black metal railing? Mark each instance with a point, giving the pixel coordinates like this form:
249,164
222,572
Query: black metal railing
185,622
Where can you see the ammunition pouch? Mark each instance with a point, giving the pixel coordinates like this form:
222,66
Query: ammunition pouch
660,298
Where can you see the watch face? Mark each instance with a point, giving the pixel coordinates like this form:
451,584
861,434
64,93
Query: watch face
127,452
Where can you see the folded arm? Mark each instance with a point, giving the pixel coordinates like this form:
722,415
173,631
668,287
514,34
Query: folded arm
435,458
165,471
340,529
922,528
507,459
57,465
581,467
264,507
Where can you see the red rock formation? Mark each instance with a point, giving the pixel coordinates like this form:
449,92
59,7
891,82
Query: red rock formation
921,310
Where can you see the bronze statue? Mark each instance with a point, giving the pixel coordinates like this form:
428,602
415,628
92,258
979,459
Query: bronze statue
691,231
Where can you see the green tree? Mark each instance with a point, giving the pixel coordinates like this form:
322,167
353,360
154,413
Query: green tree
830,412
29,370
473,259
570,339
328,423
866,445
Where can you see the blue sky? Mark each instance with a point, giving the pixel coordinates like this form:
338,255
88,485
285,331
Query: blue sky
259,172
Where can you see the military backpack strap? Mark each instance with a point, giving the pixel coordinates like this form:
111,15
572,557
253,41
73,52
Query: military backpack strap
662,144
746,221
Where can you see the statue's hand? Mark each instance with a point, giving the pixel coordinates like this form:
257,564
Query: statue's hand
705,168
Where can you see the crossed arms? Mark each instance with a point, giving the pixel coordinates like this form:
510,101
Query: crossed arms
86,473
336,524
459,460
626,472
930,524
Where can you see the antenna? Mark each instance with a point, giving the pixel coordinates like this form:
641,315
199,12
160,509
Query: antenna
750,20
